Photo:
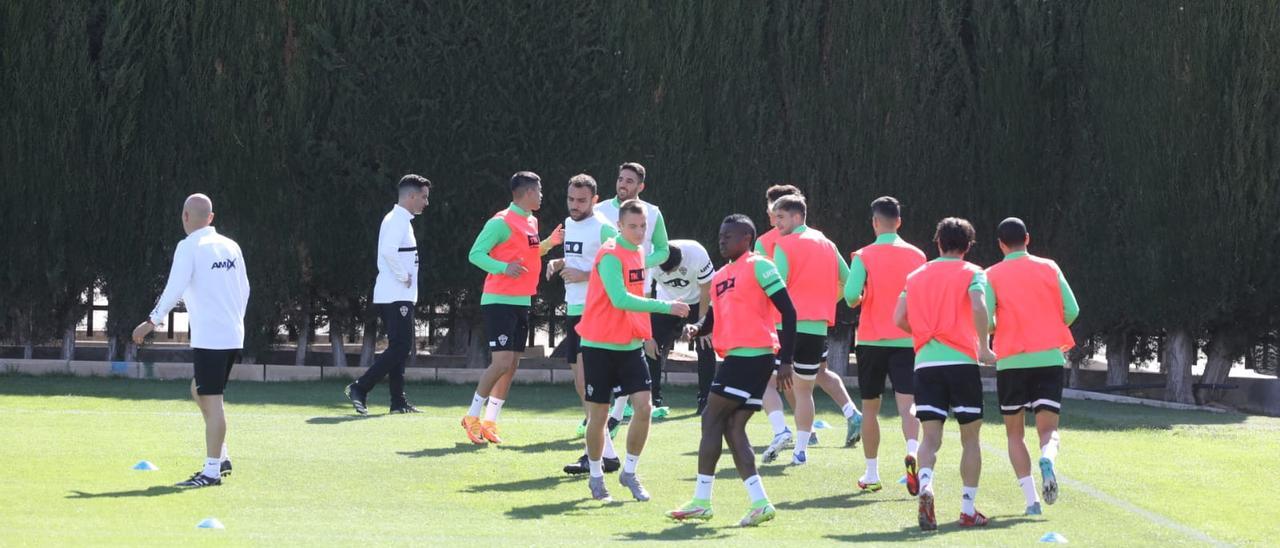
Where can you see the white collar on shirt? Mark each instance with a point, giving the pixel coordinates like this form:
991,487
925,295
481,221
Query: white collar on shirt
202,232
400,211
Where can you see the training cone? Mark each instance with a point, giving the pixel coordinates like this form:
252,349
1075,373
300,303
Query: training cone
210,523
1053,538
820,425
902,480
146,466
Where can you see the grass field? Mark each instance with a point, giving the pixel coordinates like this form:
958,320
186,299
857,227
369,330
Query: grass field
308,472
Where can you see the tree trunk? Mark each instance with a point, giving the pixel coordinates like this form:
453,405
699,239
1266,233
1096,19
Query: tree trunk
69,343
838,349
130,352
369,346
113,346
1178,358
1225,346
304,340
337,345
1119,356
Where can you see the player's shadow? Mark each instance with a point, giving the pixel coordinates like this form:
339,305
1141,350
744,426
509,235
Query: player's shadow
564,444
339,419
840,501
459,447
153,491
549,482
680,531
541,511
913,532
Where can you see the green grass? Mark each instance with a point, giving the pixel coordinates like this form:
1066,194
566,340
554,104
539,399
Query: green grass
308,472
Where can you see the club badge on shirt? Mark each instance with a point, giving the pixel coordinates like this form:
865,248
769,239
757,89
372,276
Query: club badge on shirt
404,312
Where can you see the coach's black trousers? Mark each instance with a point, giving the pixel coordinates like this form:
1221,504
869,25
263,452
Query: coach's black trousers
397,321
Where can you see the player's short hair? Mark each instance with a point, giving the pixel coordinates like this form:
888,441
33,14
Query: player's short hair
954,234
412,182
634,167
778,191
740,219
524,179
673,260
582,180
886,207
630,206
791,204
1012,232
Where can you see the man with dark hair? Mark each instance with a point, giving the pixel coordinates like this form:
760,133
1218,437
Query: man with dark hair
745,292
944,309
814,272
1033,309
208,274
614,325
584,231
877,275
685,277
395,292
509,250
631,182
830,382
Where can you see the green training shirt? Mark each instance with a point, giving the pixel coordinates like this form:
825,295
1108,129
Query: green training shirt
936,352
1043,358
611,275
857,283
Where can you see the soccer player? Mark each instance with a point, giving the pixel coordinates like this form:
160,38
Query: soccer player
395,291
944,309
614,325
745,293
208,274
1033,307
686,277
815,273
630,183
584,230
509,250
877,275
830,382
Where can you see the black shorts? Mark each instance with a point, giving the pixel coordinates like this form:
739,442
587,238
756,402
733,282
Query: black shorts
608,372
212,369
668,328
877,362
507,326
954,388
744,379
572,340
1036,388
811,351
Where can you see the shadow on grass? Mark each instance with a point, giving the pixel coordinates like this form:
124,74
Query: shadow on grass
459,447
339,419
955,534
842,501
679,531
549,482
564,444
153,491
541,511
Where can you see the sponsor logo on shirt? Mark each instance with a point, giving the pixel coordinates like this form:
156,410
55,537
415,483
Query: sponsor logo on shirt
635,275
726,285
676,282
228,264
573,248
533,240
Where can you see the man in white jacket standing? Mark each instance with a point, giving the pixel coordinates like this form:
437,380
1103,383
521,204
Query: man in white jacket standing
394,294
208,274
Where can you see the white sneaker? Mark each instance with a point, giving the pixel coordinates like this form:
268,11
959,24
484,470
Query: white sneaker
779,443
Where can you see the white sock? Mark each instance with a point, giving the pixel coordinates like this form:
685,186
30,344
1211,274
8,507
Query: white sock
702,487
778,421
224,452
1050,450
802,441
873,472
912,447
495,407
755,489
849,410
477,404
609,452
619,407
629,465
967,497
1028,486
212,468
597,468
926,479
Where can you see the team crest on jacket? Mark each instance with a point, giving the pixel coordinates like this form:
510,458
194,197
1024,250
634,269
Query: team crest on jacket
404,312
